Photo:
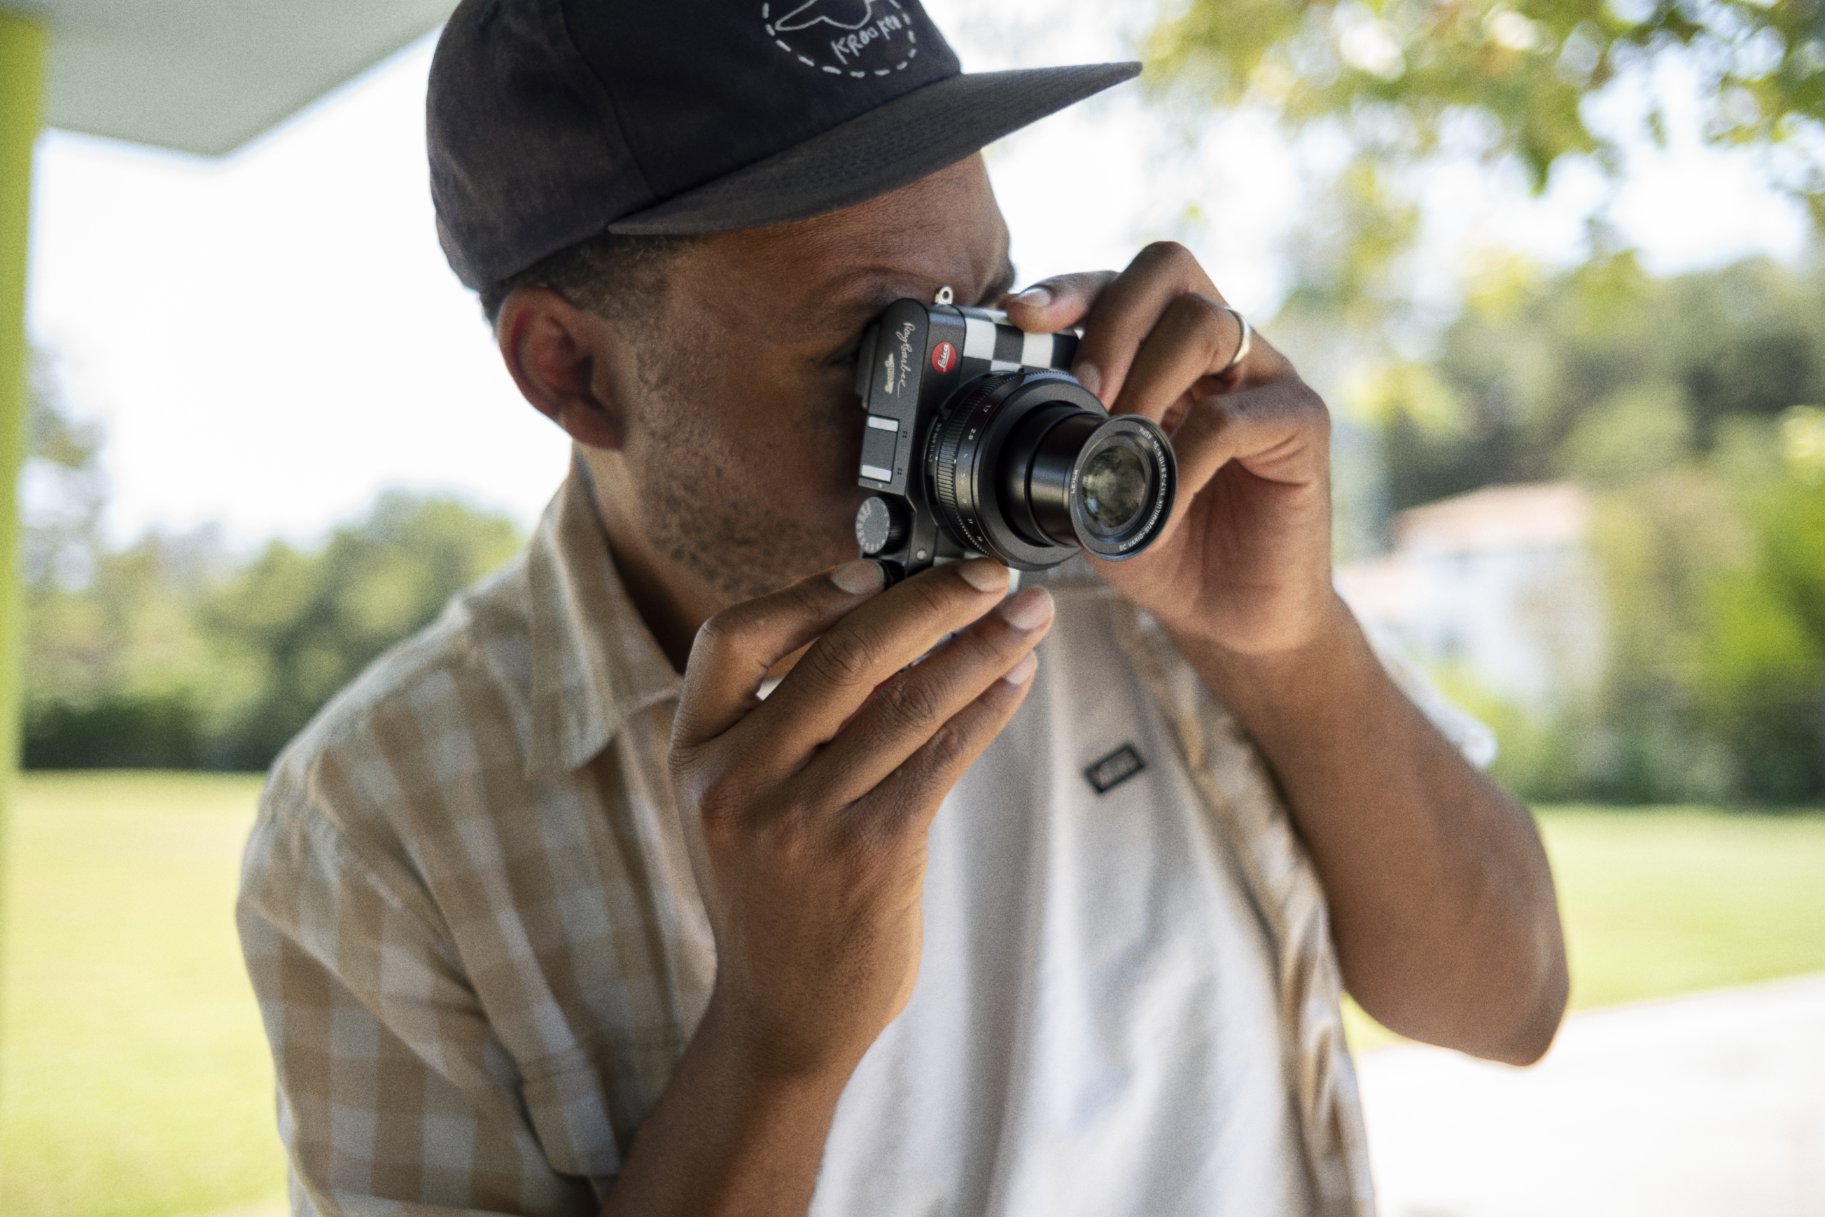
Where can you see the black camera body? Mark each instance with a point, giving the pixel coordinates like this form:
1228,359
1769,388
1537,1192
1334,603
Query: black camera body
980,442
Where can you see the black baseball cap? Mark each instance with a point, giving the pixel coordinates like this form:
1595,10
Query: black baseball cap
552,121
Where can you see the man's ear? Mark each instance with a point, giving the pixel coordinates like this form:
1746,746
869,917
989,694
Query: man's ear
555,352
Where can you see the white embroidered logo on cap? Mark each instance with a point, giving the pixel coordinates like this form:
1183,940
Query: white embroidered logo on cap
827,11
859,38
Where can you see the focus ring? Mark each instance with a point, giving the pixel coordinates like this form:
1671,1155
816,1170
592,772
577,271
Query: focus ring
974,408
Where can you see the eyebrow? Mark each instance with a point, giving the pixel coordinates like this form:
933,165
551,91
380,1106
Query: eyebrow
850,311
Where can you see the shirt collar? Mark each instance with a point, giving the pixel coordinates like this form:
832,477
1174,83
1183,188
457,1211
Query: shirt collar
594,659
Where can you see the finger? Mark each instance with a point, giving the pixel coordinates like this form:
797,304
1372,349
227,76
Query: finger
861,651
1128,310
1195,337
1262,364
733,651
911,794
1279,432
1057,303
911,707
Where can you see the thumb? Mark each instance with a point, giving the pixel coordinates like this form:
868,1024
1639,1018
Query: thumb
734,649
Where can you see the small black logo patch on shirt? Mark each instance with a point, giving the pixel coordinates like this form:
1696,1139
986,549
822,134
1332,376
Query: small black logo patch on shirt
1114,769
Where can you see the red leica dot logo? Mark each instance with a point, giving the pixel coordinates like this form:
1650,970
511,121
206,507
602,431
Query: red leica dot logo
944,357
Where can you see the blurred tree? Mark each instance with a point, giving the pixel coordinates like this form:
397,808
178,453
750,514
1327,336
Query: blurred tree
1760,683
1690,407
1714,574
62,488
111,648
1403,83
1603,374
174,653
117,668
1661,545
295,627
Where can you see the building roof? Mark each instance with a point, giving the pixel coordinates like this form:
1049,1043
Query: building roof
1534,515
206,76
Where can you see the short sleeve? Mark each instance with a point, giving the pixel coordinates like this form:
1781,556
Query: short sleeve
1473,737
394,1096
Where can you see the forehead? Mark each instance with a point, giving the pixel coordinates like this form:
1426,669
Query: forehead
834,271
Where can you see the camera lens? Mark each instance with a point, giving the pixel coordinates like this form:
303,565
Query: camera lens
1114,488
1092,480
1028,467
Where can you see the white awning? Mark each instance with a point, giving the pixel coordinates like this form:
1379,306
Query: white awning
206,76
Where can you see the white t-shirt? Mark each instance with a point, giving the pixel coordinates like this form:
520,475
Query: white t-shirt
1094,1026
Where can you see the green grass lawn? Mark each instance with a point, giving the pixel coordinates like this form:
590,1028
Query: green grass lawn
1669,899
133,1072
134,1078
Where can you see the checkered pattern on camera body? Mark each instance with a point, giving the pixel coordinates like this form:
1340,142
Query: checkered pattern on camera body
998,345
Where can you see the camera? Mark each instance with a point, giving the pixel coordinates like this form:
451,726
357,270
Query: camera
980,442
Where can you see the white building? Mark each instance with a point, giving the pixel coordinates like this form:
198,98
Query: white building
1498,584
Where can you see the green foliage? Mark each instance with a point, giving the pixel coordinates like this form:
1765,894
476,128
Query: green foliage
1402,81
1544,755
111,647
62,489
1628,436
294,627
1803,443
174,654
1603,374
1713,685
1661,547
1681,404
1761,679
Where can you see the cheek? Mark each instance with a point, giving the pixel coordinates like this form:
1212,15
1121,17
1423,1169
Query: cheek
761,427
745,478
810,435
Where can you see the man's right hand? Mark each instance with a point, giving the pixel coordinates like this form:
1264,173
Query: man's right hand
814,803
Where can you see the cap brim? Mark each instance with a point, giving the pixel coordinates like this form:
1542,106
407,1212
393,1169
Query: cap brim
916,134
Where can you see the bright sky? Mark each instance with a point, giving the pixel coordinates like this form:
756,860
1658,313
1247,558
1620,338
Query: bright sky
273,338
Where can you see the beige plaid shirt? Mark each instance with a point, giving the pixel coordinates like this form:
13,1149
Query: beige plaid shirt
479,953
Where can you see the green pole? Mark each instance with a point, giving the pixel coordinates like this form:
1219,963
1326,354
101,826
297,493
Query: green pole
22,48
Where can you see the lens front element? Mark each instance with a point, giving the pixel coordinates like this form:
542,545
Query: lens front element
1117,491
1115,488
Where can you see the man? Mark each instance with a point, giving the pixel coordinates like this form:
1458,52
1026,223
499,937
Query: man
652,878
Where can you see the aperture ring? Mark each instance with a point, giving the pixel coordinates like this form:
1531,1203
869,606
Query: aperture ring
963,423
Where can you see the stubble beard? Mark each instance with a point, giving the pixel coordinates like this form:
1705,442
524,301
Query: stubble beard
707,510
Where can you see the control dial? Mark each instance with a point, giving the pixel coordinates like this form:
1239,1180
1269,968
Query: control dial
880,525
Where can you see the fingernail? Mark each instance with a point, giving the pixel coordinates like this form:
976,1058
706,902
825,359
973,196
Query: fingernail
1027,609
862,575
1017,675
1088,376
1036,297
985,574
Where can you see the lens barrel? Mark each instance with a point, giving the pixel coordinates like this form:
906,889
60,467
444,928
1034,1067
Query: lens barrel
1028,466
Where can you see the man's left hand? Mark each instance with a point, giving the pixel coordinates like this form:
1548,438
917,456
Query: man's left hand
1441,899
1245,557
